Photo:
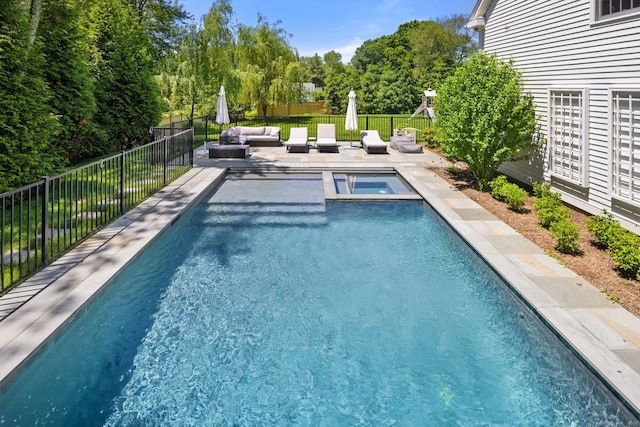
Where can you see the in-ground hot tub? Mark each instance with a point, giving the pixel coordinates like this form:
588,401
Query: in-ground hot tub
370,183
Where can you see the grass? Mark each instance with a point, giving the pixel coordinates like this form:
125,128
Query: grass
80,202
206,130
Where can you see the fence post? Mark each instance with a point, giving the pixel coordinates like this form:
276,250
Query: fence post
45,221
192,148
165,160
391,127
122,176
367,122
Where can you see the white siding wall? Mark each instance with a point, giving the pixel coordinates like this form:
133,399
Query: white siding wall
555,44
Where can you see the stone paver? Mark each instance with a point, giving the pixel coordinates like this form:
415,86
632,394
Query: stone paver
601,332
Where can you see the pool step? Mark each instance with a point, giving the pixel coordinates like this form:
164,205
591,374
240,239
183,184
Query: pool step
249,214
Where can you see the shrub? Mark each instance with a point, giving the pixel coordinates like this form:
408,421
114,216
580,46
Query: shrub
484,116
604,229
623,245
496,186
429,137
567,236
625,250
514,196
552,215
542,190
545,198
549,215
548,205
508,192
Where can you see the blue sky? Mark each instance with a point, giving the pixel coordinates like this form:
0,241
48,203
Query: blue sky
337,25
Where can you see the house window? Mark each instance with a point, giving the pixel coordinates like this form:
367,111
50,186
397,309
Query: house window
610,8
567,136
625,145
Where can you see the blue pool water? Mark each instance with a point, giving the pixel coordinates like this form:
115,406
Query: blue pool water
370,183
264,306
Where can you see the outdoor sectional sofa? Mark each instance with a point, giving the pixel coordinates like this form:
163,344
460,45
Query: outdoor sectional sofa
263,135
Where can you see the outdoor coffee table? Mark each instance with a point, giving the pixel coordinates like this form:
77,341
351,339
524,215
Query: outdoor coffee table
236,151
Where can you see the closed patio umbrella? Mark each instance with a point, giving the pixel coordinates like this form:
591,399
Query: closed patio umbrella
351,123
222,113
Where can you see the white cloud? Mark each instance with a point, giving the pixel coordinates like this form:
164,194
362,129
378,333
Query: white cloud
347,51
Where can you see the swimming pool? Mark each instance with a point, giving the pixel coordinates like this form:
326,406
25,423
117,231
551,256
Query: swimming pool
238,315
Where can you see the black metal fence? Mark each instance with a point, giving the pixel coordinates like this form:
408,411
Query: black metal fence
43,220
206,129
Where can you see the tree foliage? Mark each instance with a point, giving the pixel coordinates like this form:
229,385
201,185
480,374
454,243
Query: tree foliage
81,78
76,81
190,78
126,93
393,70
67,54
26,123
264,61
484,119
314,70
162,21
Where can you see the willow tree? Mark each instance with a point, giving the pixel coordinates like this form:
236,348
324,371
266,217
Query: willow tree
484,117
163,21
217,67
190,78
264,63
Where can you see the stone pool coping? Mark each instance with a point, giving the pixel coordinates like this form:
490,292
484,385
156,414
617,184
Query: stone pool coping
602,333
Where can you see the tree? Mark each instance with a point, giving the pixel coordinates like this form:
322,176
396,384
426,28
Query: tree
126,93
439,48
314,69
217,67
190,78
265,56
397,92
333,63
26,123
338,87
34,15
484,119
162,20
371,52
67,54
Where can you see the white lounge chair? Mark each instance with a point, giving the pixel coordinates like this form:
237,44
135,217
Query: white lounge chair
298,140
372,143
326,140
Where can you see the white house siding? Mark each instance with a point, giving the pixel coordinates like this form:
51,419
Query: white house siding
557,45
